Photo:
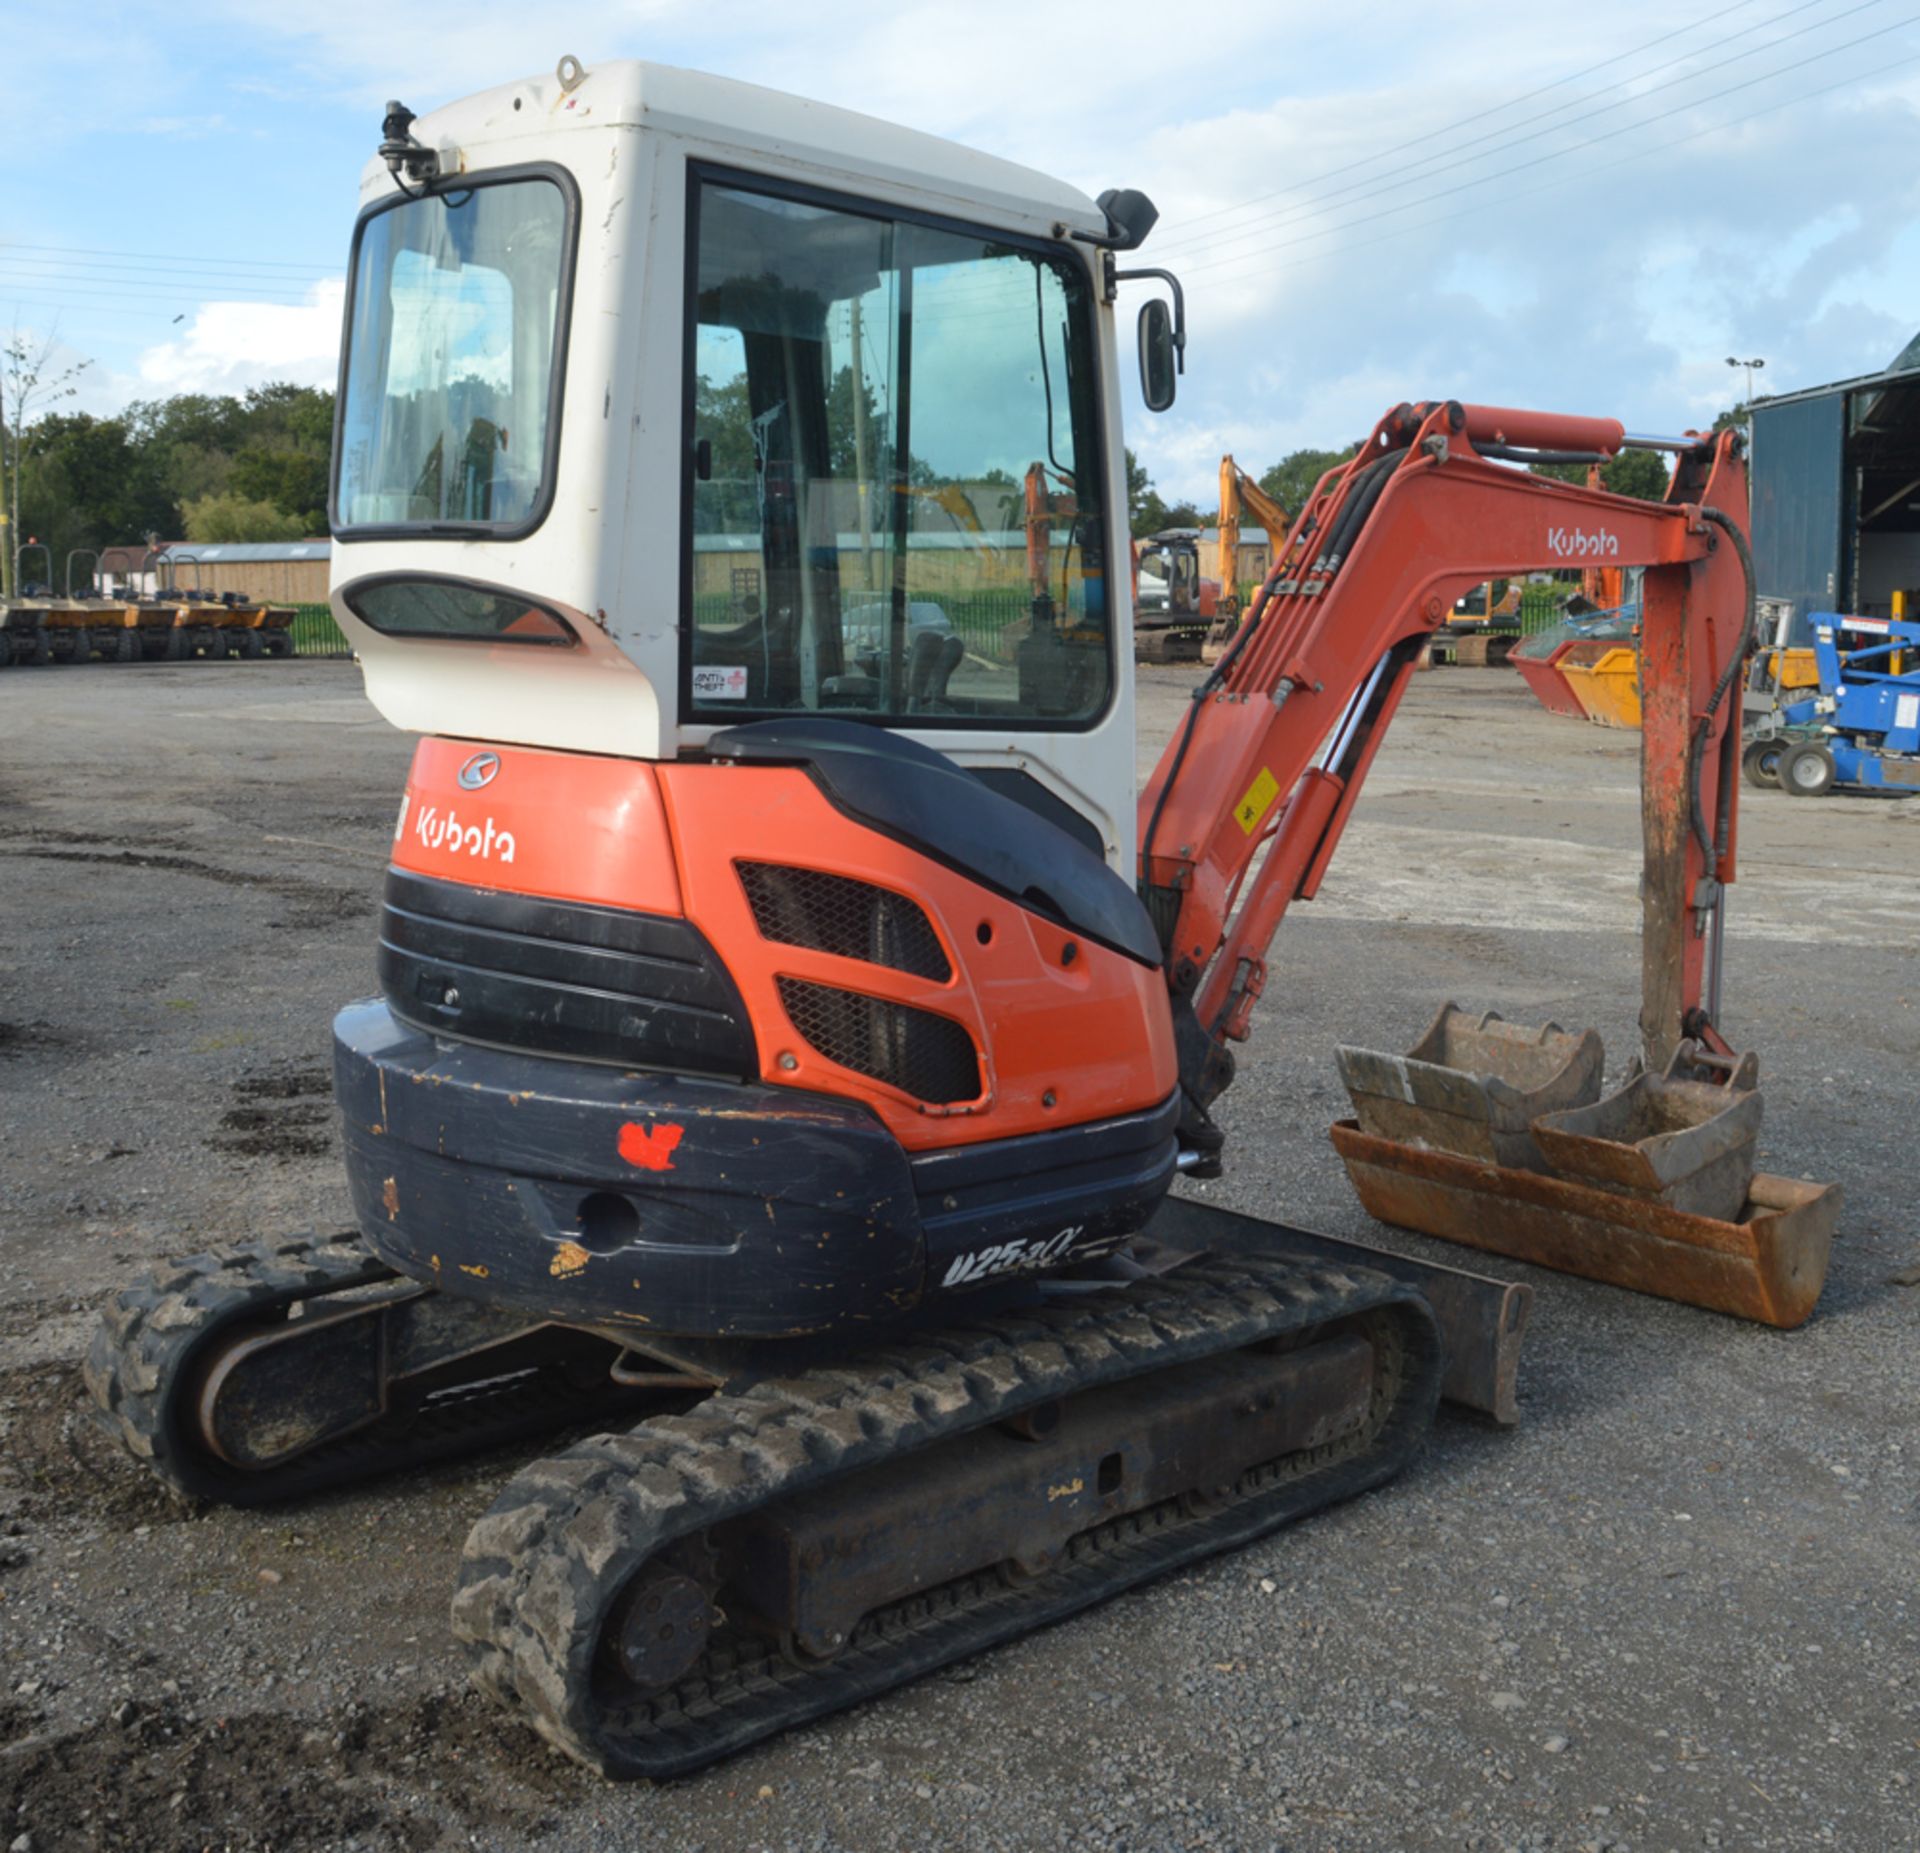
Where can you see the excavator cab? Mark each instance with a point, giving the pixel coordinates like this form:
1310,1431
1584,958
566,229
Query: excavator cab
1174,605
715,881
668,331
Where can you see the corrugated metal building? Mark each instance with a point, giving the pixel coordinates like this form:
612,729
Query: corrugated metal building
1836,493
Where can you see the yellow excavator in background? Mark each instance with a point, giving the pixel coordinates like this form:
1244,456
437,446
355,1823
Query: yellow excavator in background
1239,494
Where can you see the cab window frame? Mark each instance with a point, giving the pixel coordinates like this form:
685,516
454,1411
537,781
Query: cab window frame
569,191
1054,252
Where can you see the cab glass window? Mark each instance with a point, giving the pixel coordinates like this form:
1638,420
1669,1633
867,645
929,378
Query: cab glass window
895,495
405,606
452,377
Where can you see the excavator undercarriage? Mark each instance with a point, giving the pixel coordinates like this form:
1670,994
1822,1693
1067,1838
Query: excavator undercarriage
762,1549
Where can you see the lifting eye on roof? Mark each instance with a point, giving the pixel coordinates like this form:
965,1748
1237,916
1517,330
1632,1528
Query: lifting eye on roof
406,156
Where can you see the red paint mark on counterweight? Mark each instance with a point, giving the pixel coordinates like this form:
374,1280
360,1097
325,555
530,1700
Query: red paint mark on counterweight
650,1147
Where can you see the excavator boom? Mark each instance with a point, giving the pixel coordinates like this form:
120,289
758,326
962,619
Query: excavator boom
1246,807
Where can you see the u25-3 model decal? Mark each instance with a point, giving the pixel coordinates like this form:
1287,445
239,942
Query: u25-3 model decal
1028,1255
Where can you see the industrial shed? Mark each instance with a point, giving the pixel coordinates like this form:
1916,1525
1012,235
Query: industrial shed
279,572
1836,493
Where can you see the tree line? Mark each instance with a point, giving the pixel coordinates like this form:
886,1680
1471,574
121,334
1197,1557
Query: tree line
1291,481
198,466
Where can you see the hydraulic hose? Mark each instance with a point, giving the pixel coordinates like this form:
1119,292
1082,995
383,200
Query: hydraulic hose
1512,453
1367,488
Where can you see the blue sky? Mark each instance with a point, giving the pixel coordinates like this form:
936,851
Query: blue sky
1524,203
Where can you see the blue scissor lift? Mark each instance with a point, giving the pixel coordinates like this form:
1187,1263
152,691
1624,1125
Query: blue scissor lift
1862,729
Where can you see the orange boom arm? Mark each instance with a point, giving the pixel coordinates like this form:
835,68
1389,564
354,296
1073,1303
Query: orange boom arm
1272,754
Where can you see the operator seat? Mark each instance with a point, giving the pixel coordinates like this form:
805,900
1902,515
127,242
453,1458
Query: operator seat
930,664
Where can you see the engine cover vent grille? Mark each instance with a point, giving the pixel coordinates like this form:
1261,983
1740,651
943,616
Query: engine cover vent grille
930,1057
833,913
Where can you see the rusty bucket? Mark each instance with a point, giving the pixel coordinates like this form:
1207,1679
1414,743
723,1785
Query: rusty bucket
1474,1085
1768,1264
1672,1139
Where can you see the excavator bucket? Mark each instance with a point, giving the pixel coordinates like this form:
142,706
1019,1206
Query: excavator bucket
1651,1187
1768,1264
1607,686
1683,1142
1474,1085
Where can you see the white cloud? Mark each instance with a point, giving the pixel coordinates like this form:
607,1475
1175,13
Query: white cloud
233,345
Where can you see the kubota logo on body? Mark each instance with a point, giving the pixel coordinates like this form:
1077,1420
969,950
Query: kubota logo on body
478,772
437,829
1582,544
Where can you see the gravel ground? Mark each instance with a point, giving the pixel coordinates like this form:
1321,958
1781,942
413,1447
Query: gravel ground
1675,1609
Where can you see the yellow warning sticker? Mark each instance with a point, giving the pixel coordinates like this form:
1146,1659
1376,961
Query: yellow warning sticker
1258,801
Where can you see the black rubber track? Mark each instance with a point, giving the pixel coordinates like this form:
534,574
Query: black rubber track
143,1370
543,1568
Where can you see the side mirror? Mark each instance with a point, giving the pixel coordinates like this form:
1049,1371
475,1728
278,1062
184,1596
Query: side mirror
1157,355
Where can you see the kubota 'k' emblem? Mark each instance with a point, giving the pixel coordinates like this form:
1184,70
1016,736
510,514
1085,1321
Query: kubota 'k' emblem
479,771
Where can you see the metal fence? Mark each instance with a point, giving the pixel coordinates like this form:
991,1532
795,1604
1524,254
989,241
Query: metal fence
316,634
1540,605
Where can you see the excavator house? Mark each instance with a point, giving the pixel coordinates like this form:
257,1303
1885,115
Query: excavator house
791,1019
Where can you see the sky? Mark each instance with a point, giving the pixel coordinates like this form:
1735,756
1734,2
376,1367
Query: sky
1521,202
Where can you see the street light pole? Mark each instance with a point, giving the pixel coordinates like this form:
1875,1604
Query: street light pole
1752,367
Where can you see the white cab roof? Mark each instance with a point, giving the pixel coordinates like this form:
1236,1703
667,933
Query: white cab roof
731,119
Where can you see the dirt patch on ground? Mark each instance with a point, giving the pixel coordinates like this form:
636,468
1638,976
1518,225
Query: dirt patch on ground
294,1129
55,1463
314,904
288,1114
299,1084
18,1040
174,1778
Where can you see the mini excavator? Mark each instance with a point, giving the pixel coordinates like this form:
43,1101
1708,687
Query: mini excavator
790,1021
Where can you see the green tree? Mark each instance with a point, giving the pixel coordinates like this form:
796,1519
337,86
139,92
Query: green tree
91,486
1139,488
285,438
1641,474
1148,511
191,438
293,481
1291,481
217,518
